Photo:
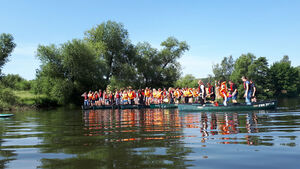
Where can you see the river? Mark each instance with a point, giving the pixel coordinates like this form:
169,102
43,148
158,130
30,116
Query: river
152,138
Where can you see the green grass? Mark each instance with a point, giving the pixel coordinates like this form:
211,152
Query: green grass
26,97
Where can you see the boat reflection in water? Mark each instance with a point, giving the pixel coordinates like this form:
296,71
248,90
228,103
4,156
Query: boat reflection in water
158,124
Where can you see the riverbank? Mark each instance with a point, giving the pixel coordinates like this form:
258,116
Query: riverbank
16,100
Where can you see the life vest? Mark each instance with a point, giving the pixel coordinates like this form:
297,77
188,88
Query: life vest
195,93
210,89
90,96
117,95
131,95
223,90
125,96
158,94
85,97
189,93
147,93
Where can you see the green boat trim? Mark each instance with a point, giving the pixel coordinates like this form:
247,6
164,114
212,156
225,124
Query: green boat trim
163,106
126,106
267,105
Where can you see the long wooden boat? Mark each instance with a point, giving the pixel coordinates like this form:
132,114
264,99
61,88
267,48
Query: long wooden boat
230,107
163,106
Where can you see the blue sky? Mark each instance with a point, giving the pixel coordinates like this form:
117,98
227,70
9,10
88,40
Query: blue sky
213,29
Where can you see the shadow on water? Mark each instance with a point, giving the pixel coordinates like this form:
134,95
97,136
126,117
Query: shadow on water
148,138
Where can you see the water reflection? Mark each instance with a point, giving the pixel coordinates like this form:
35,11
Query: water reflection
150,138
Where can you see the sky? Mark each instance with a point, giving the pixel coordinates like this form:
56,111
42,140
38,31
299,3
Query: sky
212,29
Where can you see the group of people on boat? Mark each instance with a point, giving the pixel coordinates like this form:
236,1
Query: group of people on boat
202,94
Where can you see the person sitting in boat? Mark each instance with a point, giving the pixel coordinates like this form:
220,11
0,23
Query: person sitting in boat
202,90
248,92
234,91
224,93
211,93
253,89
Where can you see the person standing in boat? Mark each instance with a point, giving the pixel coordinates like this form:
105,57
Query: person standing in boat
248,92
211,92
117,97
224,93
233,90
202,92
86,100
253,89
131,95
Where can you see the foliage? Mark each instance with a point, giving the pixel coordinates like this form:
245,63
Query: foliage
280,79
187,81
68,70
159,68
284,79
7,98
15,82
241,67
111,43
6,47
223,70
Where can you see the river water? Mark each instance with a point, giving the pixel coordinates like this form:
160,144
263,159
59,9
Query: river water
152,138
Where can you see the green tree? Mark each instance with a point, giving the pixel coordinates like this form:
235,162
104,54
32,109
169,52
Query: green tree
160,68
284,79
68,70
258,73
224,70
111,42
7,45
241,66
187,81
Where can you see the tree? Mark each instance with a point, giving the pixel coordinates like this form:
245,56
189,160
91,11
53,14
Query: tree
7,45
258,73
159,68
68,70
241,66
224,70
284,79
187,81
111,42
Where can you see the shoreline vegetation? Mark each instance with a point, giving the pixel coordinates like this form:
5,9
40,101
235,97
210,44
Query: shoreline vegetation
105,58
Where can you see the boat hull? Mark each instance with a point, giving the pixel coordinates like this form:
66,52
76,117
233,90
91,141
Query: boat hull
6,115
237,107
163,106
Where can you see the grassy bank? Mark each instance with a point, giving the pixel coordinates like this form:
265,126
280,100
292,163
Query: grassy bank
23,99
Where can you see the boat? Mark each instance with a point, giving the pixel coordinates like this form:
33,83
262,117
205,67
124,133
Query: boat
6,115
266,105
163,106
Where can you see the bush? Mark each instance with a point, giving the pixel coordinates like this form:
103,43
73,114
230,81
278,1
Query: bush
43,102
7,98
15,82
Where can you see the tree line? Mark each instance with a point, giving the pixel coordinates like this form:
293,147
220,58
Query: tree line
106,58
271,81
